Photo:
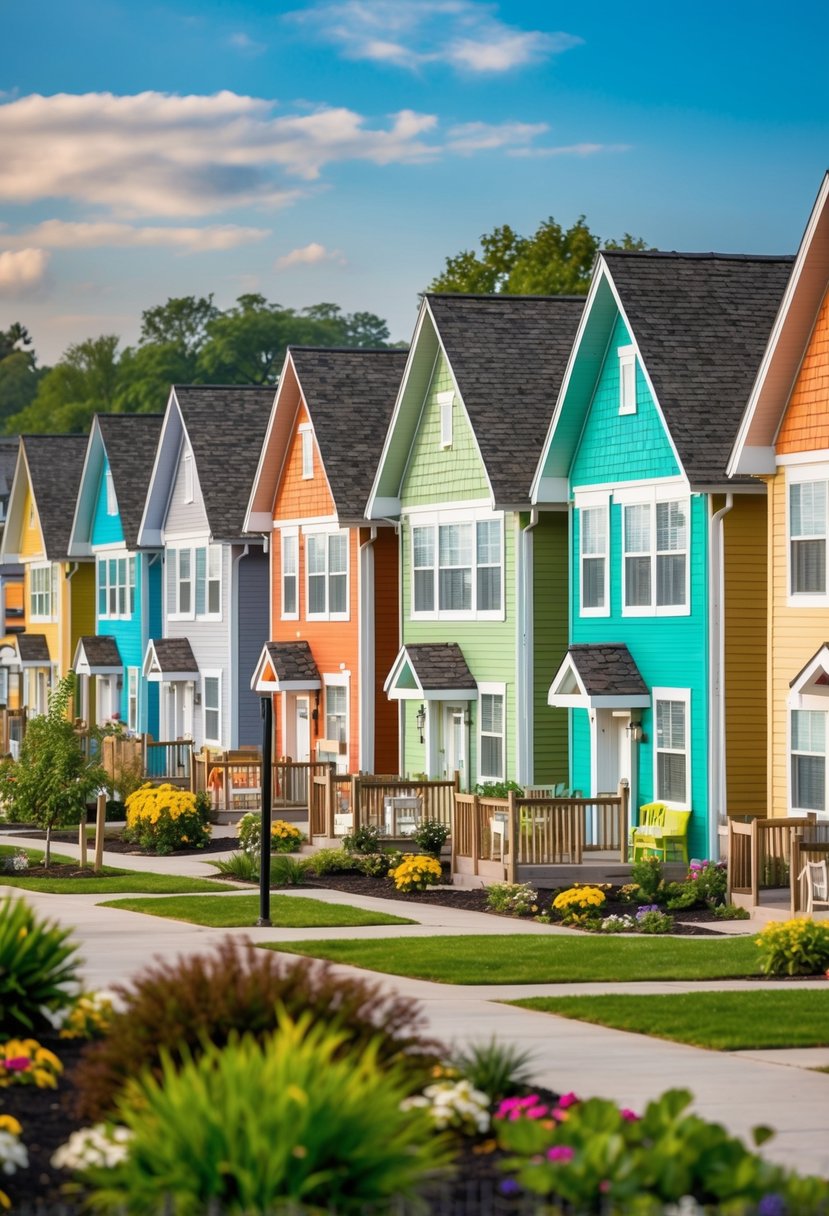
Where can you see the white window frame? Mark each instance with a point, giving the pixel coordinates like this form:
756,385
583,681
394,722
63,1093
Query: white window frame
306,439
627,379
338,680
112,501
213,556
327,534
217,708
491,690
289,535
133,699
673,694
441,517
53,593
446,404
797,475
599,504
187,473
662,496
812,705
115,588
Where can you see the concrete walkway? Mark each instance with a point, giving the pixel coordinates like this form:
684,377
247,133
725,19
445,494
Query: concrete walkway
739,1089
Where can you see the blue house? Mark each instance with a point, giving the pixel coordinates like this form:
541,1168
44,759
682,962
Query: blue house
119,462
667,655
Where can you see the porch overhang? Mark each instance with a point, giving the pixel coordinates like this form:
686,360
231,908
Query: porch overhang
598,677
32,650
286,667
97,656
169,660
810,687
431,672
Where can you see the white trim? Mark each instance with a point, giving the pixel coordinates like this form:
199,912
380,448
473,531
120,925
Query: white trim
471,508
366,708
671,484
800,475
187,475
291,534
683,695
136,725
627,358
493,690
818,456
339,679
327,615
435,519
212,674
813,708
54,592
446,402
592,498
603,609
306,439
568,676
111,500
192,549
651,501
305,521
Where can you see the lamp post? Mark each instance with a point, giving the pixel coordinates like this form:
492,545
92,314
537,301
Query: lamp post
264,920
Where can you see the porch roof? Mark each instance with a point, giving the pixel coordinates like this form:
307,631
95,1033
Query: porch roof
598,676
97,655
811,681
430,671
286,667
170,659
33,650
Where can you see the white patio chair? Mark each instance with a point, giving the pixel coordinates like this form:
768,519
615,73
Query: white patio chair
814,878
497,832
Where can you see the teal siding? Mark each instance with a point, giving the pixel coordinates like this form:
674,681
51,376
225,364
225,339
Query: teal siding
623,447
106,529
131,636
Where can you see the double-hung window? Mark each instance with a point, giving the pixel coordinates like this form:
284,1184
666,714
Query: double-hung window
116,587
672,751
290,575
195,581
132,699
655,558
807,533
326,555
43,592
594,560
336,712
491,734
808,752
458,568
212,701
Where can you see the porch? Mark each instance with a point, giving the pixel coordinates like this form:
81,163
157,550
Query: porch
765,860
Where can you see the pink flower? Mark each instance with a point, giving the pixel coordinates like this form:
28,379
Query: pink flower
567,1100
629,1116
560,1152
604,1186
18,1064
537,1112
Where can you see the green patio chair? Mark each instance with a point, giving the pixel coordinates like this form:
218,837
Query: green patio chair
644,837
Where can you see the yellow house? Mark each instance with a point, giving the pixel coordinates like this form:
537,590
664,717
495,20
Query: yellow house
784,438
58,593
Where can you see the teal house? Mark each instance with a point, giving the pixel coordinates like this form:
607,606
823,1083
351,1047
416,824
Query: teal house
664,675
477,562
119,461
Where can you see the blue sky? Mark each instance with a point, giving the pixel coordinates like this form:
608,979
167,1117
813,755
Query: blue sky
341,150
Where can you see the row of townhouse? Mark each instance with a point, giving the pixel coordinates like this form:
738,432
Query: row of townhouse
559,541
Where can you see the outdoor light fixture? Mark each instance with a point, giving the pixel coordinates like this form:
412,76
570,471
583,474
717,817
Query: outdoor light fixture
635,732
420,722
315,713
467,716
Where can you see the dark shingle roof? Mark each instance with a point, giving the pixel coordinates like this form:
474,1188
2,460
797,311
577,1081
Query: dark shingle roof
226,426
55,466
130,441
508,354
701,322
33,648
101,650
440,665
292,662
607,670
175,654
350,395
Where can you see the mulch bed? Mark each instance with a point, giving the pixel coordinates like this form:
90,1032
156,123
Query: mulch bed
114,844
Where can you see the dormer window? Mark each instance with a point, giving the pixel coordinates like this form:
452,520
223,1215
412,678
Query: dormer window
627,379
446,402
112,503
306,437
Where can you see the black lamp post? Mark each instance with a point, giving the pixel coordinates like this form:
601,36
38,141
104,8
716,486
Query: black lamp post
265,834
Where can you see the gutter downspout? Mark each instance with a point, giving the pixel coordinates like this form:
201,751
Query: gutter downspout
234,646
525,687
365,654
717,785
65,634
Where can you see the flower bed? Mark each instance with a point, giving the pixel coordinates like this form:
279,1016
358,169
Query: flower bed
162,818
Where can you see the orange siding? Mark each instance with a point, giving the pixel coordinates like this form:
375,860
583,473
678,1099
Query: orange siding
805,426
387,642
298,497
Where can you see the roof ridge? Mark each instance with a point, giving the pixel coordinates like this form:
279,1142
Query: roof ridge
496,295
699,255
350,350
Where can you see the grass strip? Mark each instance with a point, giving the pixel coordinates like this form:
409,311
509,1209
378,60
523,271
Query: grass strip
110,881
533,959
723,1021
239,911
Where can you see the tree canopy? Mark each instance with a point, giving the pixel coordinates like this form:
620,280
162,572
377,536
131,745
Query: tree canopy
19,373
554,261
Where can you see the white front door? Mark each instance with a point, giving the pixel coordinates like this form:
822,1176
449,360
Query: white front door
454,744
178,701
612,743
302,730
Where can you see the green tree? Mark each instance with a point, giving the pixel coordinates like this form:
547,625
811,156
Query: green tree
554,261
182,322
84,381
19,373
52,781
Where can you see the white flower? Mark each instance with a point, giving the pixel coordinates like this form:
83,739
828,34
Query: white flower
13,1154
93,1146
454,1104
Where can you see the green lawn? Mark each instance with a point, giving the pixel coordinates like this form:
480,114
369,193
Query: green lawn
110,881
724,1021
531,959
243,910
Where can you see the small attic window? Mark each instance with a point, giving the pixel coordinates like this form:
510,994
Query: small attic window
112,502
306,435
445,404
188,476
627,379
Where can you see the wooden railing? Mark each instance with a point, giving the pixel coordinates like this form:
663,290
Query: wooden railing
369,793
536,831
169,760
806,848
234,779
762,855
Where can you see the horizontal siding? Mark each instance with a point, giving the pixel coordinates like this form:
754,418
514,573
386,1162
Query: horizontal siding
550,733
106,528
188,518
31,541
387,642
805,426
252,633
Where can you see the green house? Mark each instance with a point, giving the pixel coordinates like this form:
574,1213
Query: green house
478,564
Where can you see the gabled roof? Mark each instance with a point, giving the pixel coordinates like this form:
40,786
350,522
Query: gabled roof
51,465
430,671
754,447
33,649
128,442
285,667
812,680
507,355
598,676
170,659
699,323
97,655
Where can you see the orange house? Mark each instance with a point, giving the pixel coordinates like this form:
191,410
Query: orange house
334,574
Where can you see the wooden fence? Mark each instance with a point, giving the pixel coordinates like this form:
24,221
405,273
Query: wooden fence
234,780
768,854
495,837
343,803
12,730
805,848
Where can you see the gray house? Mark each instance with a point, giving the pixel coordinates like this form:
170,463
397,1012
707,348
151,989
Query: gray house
215,586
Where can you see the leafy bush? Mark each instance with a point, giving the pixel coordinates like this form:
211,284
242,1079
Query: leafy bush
303,1117
366,839
599,1158
617,924
794,947
431,836
416,872
705,886
494,1067
731,912
646,873
651,919
162,818
285,837
238,865
498,789
578,904
453,1104
38,968
178,1006
90,1017
287,871
330,861
374,865
775,872
513,898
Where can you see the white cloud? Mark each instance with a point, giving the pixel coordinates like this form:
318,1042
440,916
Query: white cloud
309,255
466,34
247,45
584,149
469,137
22,272
61,234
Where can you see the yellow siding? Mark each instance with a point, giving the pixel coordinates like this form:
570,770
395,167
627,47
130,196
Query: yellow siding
746,623
31,543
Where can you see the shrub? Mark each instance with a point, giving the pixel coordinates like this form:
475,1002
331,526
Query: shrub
498,789
287,871
162,818
254,1127
578,904
731,912
285,837
794,947
617,924
38,968
494,1067
513,898
647,875
651,919
711,881
180,1005
416,872
238,865
431,836
374,865
89,1018
330,861
366,839
453,1104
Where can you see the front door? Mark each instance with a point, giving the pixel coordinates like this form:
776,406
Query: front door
612,741
454,744
303,730
179,709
